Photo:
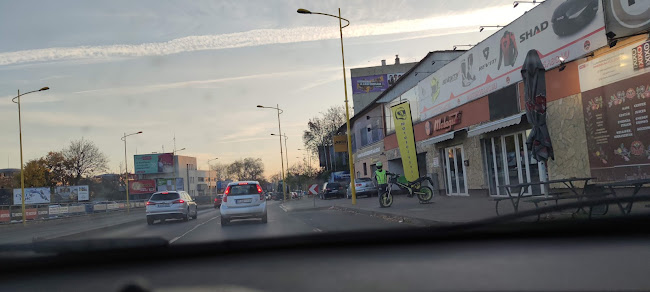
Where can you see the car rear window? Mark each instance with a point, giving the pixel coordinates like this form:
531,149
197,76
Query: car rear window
239,190
164,197
333,185
363,179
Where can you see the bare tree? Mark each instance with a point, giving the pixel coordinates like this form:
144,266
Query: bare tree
321,129
246,169
85,159
221,171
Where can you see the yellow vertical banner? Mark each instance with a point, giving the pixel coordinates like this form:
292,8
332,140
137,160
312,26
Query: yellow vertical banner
406,139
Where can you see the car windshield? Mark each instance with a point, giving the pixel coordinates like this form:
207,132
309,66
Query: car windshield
350,116
164,197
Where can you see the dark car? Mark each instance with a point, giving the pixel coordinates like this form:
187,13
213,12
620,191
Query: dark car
217,201
277,196
332,190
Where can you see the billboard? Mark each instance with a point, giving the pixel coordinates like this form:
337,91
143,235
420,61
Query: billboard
615,100
166,184
33,196
496,62
406,139
392,78
367,84
153,163
143,186
71,193
626,18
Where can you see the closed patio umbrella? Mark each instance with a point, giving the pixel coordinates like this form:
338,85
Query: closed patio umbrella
539,140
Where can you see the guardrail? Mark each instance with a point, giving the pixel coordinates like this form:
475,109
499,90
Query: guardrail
13,213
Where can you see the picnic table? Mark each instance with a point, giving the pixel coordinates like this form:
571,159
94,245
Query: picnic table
570,183
637,184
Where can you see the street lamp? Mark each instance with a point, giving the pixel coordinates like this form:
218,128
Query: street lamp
20,135
286,149
284,189
210,173
482,27
126,168
345,90
516,3
455,46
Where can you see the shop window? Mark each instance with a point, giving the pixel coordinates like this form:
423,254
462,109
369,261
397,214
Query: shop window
504,102
364,136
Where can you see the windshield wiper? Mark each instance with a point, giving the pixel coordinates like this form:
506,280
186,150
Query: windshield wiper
85,245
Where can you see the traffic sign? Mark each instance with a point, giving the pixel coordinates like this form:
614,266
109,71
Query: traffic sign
313,189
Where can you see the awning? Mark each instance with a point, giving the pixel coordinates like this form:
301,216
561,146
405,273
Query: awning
498,124
439,138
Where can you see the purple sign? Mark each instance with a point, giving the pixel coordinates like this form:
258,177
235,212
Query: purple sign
367,84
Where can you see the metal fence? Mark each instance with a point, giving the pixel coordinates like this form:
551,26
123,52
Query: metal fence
13,213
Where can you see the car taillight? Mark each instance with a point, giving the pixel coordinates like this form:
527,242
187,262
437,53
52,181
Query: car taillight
150,203
227,191
225,198
358,185
178,202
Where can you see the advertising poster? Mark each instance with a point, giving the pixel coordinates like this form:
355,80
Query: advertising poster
143,186
496,62
33,196
340,143
617,128
154,163
71,193
627,17
166,184
367,84
406,140
392,78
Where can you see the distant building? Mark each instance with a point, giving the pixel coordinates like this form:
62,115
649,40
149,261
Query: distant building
165,171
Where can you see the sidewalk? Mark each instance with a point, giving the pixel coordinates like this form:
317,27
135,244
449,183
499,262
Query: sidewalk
442,210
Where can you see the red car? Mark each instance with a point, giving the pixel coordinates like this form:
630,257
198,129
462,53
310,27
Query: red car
217,201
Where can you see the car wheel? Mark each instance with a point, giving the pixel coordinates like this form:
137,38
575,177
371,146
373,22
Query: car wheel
265,218
224,221
149,220
196,214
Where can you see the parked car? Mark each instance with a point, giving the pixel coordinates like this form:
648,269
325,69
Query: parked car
277,196
268,195
217,201
364,186
170,205
242,200
332,190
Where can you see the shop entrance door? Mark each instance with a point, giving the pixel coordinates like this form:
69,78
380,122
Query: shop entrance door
509,162
455,172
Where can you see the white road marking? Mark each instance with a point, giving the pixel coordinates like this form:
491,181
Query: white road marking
317,230
195,227
283,208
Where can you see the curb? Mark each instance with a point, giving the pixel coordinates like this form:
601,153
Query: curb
405,219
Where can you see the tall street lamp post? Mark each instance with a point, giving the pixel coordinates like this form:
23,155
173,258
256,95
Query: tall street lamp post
345,89
20,135
286,149
126,168
210,174
284,183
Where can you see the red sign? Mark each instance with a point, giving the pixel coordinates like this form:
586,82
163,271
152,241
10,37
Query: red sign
447,123
143,186
4,216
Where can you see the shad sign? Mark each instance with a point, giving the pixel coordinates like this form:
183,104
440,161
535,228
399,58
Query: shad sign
496,62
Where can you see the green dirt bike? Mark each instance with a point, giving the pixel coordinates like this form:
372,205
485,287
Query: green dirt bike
424,193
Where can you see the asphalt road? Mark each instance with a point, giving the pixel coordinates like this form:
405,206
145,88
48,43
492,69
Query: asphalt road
207,226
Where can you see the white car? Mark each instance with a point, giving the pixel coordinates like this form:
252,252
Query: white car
170,205
363,186
242,200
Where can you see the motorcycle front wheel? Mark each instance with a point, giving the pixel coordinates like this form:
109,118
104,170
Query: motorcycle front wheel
386,200
425,194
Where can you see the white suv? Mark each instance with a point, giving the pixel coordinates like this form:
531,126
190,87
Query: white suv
241,200
170,205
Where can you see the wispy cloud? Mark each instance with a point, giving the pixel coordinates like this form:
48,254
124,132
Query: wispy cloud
258,37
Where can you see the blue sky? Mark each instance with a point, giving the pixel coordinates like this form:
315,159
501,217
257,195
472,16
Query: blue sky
197,69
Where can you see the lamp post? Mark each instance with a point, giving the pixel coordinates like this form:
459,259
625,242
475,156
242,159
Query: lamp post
284,183
210,173
286,149
126,168
516,3
345,90
456,46
482,27
20,135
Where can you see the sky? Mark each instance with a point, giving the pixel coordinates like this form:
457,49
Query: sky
195,70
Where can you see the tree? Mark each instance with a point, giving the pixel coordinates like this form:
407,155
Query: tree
221,171
246,169
35,172
321,129
85,159
58,169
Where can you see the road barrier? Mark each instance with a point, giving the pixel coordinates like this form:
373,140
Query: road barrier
13,213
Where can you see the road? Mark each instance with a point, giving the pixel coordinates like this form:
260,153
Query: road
207,226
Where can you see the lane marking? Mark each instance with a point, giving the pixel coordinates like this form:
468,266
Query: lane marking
317,230
195,227
284,208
